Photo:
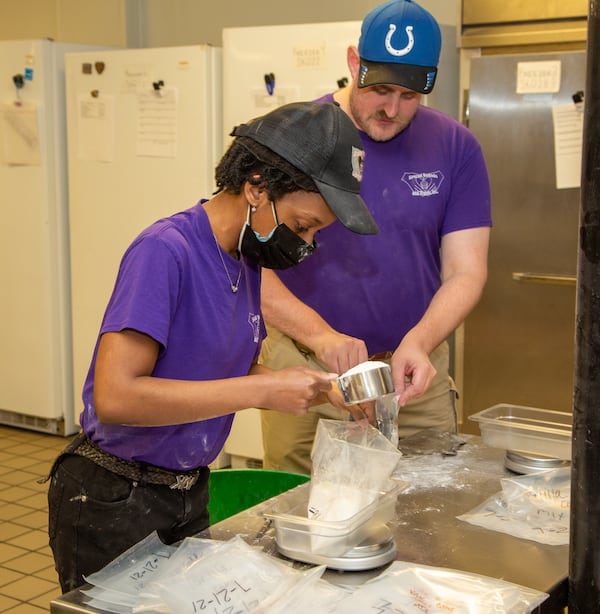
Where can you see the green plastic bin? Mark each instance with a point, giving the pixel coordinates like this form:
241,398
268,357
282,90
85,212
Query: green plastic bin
234,490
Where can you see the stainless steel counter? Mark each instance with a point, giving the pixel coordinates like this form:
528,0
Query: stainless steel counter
426,530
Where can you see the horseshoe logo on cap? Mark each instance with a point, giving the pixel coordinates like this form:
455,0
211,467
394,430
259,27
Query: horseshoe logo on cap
399,52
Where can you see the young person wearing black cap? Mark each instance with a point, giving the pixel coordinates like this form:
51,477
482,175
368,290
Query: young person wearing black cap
177,349
400,294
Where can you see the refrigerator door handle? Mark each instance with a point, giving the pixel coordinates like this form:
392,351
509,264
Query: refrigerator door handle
543,278
466,109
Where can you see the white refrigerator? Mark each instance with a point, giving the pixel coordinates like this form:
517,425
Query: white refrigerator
144,136
267,66
35,310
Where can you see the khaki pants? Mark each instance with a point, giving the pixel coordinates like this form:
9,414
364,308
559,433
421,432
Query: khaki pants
288,439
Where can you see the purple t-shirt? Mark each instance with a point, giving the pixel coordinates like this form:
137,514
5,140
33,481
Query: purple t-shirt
428,181
173,287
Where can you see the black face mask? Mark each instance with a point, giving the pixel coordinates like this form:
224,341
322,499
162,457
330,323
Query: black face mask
282,249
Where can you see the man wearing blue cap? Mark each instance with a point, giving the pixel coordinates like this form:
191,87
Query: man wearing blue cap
397,295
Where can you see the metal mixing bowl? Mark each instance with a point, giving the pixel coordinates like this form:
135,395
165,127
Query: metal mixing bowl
367,384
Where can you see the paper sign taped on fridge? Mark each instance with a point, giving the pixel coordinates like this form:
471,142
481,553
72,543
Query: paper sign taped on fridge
157,114
568,144
96,130
19,137
538,77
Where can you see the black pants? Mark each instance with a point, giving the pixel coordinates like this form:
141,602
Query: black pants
95,515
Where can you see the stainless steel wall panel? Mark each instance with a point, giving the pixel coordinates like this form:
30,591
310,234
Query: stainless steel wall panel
519,340
478,12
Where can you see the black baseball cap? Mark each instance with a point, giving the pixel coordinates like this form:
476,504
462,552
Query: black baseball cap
320,140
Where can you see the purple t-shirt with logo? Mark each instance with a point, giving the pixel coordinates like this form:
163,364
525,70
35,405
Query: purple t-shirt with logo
428,181
173,287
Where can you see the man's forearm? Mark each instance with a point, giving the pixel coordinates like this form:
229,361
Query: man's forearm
286,312
449,307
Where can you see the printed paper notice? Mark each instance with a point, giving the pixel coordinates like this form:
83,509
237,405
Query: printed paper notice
157,123
96,134
568,137
538,77
19,138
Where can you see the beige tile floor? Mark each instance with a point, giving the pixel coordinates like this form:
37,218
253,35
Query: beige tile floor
28,580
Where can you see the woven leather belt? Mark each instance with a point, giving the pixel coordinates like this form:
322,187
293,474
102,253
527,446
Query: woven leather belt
137,472
381,356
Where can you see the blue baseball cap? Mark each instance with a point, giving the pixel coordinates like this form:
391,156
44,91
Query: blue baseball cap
399,44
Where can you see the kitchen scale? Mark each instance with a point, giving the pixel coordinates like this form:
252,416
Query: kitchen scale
524,462
376,550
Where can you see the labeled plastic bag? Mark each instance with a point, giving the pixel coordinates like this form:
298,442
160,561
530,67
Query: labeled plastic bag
412,589
190,550
534,506
131,571
314,595
233,578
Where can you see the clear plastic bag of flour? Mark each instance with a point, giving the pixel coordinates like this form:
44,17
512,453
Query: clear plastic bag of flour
351,465
235,577
412,589
534,506
131,571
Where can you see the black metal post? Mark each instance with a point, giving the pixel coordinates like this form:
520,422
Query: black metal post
584,572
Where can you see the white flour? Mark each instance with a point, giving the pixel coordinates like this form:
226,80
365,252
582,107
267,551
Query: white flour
365,366
426,472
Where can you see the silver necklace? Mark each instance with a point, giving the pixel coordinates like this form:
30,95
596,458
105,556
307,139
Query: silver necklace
234,286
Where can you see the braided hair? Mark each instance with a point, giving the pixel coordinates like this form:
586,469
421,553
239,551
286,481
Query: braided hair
247,160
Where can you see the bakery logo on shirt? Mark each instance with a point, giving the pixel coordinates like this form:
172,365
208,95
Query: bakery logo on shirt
254,321
424,184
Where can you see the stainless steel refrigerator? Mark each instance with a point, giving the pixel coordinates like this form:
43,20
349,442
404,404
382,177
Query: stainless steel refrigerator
519,340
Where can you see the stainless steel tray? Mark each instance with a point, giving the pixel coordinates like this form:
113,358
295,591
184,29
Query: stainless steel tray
527,429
